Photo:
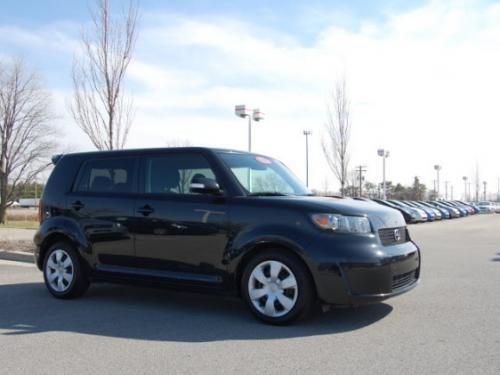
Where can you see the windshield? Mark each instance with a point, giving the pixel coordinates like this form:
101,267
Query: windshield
262,175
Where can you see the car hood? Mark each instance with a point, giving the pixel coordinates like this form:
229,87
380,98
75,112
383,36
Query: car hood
380,216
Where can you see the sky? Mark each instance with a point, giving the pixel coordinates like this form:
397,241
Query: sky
423,78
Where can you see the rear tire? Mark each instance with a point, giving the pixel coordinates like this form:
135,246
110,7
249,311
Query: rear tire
277,287
63,272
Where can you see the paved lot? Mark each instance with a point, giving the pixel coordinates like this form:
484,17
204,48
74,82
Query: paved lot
450,324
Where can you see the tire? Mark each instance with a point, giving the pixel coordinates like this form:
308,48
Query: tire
63,272
279,277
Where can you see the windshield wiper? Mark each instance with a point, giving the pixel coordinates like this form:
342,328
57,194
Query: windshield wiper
268,194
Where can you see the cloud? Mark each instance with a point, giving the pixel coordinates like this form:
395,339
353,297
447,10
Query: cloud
424,83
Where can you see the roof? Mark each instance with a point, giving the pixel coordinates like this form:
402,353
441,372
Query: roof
138,151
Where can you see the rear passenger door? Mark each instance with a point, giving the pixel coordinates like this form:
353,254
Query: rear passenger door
102,203
179,233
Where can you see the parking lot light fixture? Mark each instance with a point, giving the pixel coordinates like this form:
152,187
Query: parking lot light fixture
484,192
244,111
384,154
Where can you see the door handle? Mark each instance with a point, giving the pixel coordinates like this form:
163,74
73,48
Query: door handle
77,205
146,210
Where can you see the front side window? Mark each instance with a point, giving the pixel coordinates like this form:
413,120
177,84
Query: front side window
261,175
173,174
107,175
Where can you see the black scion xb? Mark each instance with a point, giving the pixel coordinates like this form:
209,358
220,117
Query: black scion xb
219,221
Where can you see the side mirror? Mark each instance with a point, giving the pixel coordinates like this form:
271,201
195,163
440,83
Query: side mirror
204,185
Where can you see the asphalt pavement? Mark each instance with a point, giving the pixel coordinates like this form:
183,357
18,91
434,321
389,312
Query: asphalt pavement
449,324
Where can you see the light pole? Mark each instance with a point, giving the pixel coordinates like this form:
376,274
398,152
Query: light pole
446,189
384,154
484,192
498,191
243,111
465,188
307,133
451,187
437,168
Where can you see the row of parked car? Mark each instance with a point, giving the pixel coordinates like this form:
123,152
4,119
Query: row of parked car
423,211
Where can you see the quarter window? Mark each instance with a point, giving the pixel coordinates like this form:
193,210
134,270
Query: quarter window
107,175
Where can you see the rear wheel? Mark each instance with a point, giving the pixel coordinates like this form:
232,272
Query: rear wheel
277,287
63,272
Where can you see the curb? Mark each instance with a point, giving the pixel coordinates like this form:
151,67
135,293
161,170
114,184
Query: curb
17,256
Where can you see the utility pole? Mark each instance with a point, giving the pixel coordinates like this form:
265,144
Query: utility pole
361,169
437,168
307,133
498,191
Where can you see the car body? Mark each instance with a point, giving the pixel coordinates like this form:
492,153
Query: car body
473,208
432,214
470,210
463,212
486,207
445,213
219,221
453,211
410,216
422,216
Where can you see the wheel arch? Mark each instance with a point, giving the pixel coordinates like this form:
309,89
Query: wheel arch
52,238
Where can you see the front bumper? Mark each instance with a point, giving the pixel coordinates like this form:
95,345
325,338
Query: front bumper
371,273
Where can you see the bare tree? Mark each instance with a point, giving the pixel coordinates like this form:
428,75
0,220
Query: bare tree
99,105
25,134
338,131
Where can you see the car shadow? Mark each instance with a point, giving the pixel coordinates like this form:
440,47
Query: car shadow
152,314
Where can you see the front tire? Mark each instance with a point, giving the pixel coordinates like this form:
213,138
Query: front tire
63,272
277,287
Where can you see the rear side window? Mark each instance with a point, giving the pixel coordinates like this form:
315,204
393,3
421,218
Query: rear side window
172,174
107,175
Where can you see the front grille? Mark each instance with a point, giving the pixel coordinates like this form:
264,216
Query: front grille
393,236
404,279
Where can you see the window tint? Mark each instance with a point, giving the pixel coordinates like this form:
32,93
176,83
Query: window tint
172,174
107,175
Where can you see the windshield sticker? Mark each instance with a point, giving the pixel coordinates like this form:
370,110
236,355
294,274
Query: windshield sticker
263,160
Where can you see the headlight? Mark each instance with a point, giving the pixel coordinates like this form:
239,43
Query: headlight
341,223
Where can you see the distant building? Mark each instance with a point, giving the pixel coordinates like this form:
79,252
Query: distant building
29,202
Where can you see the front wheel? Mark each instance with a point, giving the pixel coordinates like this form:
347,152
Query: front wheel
63,272
277,287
